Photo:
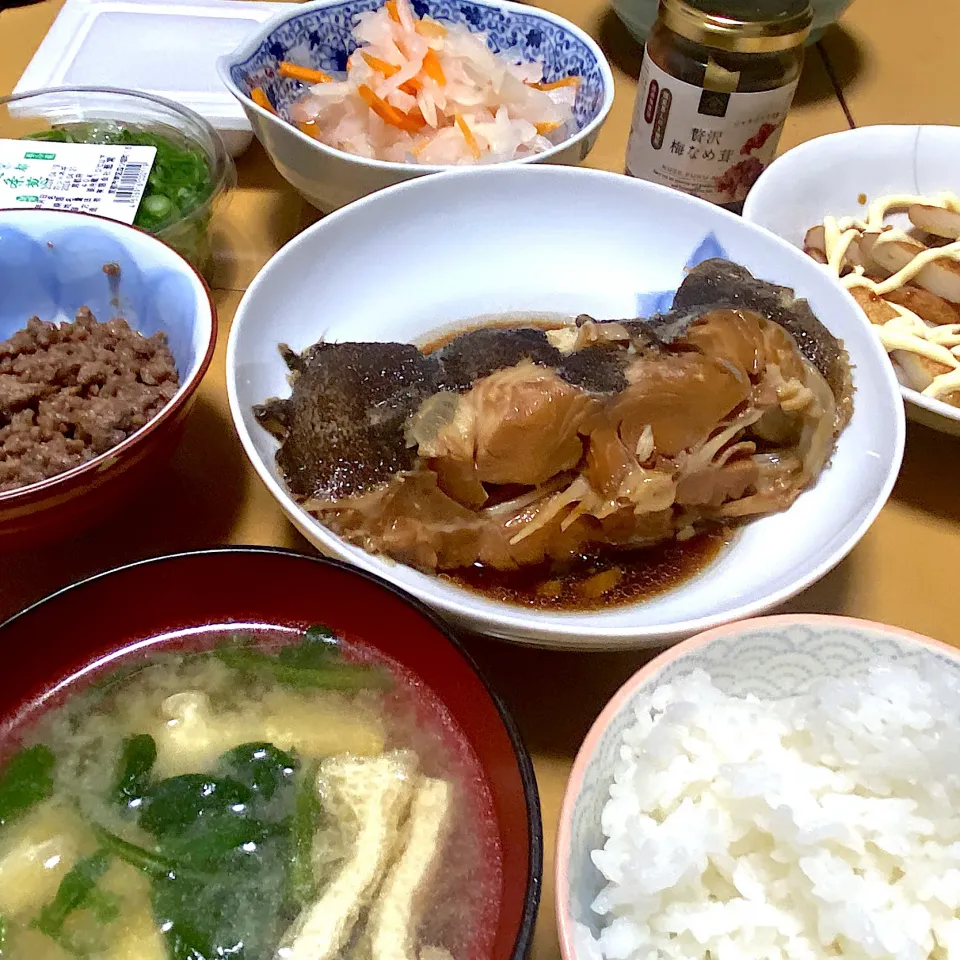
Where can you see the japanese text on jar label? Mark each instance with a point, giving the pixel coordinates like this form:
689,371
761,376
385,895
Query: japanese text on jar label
703,142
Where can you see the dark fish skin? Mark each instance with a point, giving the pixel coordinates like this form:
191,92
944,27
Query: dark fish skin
341,431
478,353
599,369
719,284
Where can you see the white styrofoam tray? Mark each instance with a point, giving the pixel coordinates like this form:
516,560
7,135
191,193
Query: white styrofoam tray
166,47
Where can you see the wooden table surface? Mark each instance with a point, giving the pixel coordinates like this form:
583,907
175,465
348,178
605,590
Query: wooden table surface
876,66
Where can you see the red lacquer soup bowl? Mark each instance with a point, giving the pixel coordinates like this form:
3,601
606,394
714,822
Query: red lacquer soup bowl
186,601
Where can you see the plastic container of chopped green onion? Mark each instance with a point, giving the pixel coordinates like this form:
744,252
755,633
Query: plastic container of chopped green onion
192,172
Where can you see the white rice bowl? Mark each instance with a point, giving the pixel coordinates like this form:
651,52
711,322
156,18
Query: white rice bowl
789,791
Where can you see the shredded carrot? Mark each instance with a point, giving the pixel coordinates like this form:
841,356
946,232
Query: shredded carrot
391,6
420,146
309,127
304,74
381,66
412,86
547,126
430,28
261,99
388,113
432,68
556,84
413,121
468,136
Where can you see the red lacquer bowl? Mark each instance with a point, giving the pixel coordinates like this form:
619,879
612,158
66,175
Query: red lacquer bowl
51,264
79,633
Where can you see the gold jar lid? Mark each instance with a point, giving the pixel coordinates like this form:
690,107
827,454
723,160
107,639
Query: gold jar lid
739,26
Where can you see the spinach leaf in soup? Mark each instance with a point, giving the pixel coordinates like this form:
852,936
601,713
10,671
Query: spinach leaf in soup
318,648
306,816
315,663
240,911
179,803
26,781
230,835
148,862
261,767
136,765
77,890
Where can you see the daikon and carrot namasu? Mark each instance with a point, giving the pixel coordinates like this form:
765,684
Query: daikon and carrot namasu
418,90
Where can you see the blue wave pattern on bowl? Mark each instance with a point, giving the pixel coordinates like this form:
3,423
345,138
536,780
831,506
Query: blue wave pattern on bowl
661,301
321,39
53,277
770,664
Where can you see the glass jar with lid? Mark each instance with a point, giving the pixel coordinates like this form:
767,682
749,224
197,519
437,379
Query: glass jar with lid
717,80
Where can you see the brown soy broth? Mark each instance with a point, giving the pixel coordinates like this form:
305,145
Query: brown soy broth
87,729
591,582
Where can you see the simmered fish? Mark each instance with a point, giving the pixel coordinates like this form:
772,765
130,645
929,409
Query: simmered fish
509,447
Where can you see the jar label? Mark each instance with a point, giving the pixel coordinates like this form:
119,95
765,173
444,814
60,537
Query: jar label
711,144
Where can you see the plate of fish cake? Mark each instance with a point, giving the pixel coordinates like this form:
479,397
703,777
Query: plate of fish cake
564,407
889,231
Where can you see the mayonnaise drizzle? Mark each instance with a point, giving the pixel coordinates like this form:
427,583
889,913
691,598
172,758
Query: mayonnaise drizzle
906,331
837,240
950,251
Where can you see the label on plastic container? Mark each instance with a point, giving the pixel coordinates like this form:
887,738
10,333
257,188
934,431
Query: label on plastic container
707,143
104,179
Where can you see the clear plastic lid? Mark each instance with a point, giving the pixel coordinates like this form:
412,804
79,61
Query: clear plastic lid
166,47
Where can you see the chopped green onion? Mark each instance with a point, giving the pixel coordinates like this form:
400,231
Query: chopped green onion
179,185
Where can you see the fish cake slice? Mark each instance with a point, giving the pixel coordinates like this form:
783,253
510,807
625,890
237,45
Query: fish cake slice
919,370
926,305
875,307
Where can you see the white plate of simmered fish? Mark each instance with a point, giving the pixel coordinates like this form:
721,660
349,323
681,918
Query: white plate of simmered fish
563,407
886,221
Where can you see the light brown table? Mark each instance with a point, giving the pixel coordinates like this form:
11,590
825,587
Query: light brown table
878,66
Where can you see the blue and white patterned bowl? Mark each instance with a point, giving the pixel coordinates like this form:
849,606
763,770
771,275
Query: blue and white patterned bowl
51,264
318,35
769,657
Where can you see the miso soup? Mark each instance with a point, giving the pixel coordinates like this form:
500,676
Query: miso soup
278,797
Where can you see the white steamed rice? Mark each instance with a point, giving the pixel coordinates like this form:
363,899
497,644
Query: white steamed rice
825,825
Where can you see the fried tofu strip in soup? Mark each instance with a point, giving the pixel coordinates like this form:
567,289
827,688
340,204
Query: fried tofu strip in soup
370,798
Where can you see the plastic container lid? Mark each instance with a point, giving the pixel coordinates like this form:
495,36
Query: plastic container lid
167,47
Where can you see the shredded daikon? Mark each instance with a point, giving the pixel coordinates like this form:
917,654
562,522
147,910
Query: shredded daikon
418,90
